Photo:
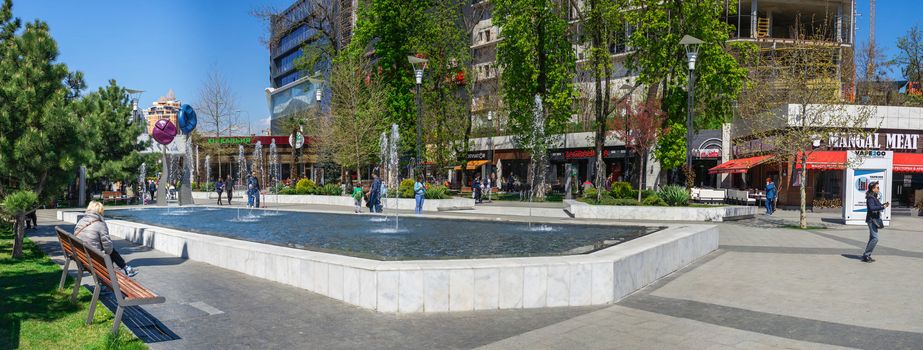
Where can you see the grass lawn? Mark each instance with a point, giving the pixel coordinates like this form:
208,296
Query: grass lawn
34,314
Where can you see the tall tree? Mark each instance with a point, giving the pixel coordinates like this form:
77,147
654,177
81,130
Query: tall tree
217,105
42,141
910,54
112,134
48,129
660,62
603,25
445,43
357,109
794,101
538,64
640,128
389,27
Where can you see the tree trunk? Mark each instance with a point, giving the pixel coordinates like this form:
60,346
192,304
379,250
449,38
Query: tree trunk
20,236
642,167
803,220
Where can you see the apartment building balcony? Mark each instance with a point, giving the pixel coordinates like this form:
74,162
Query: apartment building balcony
772,22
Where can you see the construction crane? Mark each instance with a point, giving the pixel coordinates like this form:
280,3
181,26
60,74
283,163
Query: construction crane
870,68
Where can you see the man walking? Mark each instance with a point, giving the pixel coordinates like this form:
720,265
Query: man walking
375,194
219,188
770,196
253,191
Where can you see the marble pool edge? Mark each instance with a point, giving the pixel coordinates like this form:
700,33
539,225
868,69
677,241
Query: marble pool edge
602,277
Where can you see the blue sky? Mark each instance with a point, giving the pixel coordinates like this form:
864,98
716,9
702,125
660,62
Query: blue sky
159,45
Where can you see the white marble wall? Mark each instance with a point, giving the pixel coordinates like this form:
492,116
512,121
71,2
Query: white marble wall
443,285
582,210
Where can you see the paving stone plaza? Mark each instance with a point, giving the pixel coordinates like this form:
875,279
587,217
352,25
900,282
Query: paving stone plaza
766,287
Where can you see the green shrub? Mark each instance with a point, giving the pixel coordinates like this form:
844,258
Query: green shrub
648,193
328,190
653,200
20,202
406,188
305,186
287,190
623,190
590,193
625,201
436,192
674,196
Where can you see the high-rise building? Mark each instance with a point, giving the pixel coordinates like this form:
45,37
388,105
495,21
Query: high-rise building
294,28
166,107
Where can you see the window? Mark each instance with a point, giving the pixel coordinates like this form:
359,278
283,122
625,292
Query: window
287,62
487,32
293,39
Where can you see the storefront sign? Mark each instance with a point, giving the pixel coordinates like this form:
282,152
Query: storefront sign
865,168
248,140
230,140
296,139
480,155
586,153
891,141
706,152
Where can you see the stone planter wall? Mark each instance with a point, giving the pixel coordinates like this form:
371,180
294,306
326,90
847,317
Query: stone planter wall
582,210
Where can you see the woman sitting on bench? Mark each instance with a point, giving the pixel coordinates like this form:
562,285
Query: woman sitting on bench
92,230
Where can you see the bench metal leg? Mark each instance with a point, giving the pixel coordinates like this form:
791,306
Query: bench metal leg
117,320
77,283
67,265
93,304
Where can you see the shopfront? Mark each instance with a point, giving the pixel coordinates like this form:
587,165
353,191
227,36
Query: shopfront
825,168
582,161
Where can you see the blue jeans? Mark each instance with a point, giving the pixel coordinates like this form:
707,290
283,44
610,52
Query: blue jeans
873,239
769,205
419,208
249,200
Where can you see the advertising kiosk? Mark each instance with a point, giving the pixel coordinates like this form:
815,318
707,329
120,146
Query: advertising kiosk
864,167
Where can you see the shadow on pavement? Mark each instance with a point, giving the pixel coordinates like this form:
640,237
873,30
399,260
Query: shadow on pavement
852,256
154,261
834,220
144,325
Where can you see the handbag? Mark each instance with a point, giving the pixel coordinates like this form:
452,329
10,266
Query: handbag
878,223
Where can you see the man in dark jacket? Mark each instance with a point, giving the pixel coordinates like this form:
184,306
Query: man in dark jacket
375,194
253,188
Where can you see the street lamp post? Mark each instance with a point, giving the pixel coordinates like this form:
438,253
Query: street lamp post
418,64
691,45
318,81
490,140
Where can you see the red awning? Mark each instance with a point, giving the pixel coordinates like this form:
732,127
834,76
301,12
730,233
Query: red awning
824,160
908,162
836,160
739,166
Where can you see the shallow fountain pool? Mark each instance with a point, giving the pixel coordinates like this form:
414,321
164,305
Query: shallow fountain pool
375,237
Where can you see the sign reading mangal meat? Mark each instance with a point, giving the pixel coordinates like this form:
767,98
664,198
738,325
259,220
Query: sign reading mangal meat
890,141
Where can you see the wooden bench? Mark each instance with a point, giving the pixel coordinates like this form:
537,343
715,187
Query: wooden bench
128,292
67,247
114,196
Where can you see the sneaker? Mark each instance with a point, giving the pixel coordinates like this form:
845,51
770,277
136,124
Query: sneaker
130,271
869,259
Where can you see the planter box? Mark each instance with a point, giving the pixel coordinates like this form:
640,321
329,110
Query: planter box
402,203
582,210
